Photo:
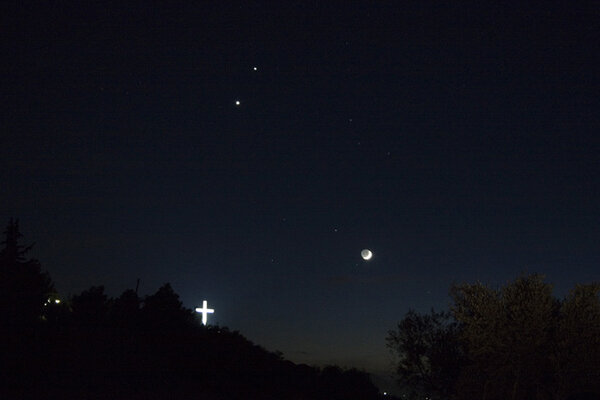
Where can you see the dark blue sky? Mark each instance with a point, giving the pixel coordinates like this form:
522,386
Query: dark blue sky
457,143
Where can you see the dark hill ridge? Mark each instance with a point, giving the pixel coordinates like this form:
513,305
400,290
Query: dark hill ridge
95,347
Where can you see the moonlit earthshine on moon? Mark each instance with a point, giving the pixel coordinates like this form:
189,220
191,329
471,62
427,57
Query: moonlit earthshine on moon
366,254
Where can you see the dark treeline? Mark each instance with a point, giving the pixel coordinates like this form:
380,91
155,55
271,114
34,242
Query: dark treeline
517,342
95,347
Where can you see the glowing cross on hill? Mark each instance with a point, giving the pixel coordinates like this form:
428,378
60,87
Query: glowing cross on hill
204,311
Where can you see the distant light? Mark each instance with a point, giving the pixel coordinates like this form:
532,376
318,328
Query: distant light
57,301
256,69
237,103
385,393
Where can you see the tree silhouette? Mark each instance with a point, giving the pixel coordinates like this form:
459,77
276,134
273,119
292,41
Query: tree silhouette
91,307
163,309
524,344
517,342
508,333
577,351
429,355
126,309
24,288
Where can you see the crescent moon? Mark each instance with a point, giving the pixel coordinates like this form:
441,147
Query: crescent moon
366,254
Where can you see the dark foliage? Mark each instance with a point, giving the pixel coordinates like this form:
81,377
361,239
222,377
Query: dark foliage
429,354
153,348
24,288
517,342
95,347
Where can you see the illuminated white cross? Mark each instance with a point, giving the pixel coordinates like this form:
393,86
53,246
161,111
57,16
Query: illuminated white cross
204,311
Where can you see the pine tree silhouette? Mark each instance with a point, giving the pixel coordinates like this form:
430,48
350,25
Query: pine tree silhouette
24,288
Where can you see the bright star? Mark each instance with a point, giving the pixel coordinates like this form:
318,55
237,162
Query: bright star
237,103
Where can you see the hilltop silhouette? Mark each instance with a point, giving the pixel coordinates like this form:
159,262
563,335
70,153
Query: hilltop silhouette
95,347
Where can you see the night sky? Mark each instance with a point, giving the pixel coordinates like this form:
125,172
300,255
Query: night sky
457,142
